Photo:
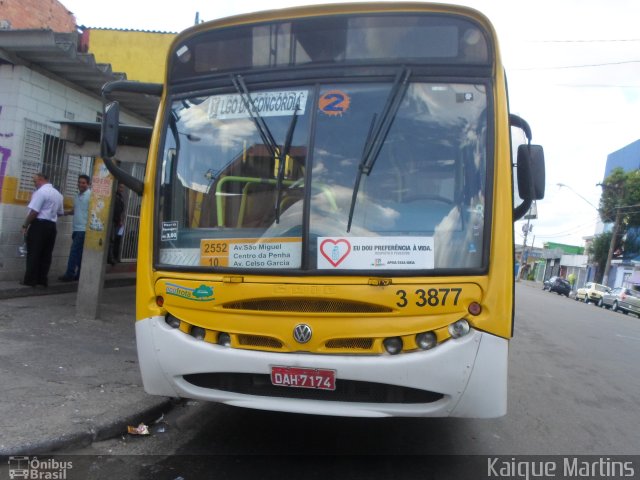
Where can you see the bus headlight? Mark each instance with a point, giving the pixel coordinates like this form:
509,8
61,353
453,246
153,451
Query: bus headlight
426,340
459,329
198,333
172,321
393,345
224,339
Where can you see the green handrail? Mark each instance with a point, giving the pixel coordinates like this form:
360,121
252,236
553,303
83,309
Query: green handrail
253,181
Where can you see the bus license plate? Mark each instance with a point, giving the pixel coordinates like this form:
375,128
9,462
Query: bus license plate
303,378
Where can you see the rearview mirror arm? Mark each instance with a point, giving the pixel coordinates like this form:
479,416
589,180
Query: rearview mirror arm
128,86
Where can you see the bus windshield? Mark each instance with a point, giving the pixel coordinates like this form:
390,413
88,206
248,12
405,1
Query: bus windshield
231,197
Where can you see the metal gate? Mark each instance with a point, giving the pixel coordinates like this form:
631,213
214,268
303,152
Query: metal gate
129,245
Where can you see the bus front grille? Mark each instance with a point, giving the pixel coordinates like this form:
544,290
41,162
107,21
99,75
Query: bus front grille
346,390
259,341
350,343
306,305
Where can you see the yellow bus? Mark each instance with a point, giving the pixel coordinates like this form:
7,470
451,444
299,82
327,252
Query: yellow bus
327,213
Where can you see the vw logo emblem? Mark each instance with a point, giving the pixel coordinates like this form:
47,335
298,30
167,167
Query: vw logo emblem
302,333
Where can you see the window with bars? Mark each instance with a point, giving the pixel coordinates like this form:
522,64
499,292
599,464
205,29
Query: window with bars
44,151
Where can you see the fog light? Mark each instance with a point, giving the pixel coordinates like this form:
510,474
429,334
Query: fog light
224,339
172,321
198,333
159,301
459,328
393,345
426,340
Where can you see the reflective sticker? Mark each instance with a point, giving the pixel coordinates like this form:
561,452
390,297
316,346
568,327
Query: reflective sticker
384,253
179,256
203,293
334,102
169,231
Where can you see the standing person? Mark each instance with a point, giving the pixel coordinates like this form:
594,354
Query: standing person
40,230
80,212
117,226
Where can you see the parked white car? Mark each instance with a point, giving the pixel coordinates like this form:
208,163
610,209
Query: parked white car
591,292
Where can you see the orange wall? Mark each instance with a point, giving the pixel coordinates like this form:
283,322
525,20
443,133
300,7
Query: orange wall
37,14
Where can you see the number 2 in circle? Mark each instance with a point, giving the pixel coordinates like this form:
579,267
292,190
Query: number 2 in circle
334,102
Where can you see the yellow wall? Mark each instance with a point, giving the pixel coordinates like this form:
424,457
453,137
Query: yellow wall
141,55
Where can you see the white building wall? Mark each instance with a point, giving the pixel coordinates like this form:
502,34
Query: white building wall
28,94
574,261
622,274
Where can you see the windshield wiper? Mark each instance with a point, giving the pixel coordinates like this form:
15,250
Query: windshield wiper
378,133
283,157
267,137
261,126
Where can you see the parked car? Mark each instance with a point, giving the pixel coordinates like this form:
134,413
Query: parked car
622,300
591,292
558,285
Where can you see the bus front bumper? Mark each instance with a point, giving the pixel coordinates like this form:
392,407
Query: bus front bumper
470,373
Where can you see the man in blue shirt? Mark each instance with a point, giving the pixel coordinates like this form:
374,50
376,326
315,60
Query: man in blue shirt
80,212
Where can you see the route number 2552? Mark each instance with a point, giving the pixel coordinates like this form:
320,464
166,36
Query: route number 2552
431,297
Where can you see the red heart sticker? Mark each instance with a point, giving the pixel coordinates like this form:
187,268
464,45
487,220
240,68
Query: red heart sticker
334,252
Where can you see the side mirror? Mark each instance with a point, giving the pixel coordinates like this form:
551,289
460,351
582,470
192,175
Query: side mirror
109,145
109,130
531,175
531,172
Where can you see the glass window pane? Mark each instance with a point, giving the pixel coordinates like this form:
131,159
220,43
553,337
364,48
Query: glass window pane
425,191
221,180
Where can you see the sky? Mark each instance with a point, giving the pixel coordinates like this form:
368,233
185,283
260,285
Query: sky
573,70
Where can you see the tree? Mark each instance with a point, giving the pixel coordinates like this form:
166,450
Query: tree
621,191
599,250
620,204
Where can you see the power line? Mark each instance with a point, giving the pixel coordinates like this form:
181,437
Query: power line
593,85
602,40
589,65
571,231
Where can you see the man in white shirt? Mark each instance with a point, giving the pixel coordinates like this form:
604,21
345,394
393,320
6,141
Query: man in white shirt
80,212
40,229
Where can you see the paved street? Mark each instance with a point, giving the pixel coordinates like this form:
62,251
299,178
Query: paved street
573,391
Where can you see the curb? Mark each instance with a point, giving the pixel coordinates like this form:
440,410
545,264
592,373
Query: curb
95,433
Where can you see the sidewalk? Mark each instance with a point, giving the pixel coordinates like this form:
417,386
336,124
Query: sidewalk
122,274
67,382
530,283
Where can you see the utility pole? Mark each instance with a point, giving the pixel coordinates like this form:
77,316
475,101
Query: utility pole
523,256
619,189
612,246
